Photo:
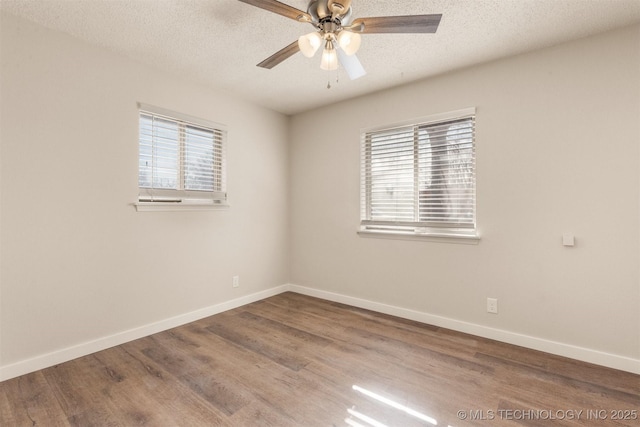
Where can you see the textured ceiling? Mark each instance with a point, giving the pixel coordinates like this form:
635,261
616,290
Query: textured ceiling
219,42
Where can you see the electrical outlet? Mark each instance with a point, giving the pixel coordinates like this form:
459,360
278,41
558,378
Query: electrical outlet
236,281
492,305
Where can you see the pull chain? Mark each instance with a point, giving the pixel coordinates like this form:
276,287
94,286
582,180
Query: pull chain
329,79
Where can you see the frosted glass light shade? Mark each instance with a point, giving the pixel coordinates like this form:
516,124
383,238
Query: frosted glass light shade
309,44
329,60
349,42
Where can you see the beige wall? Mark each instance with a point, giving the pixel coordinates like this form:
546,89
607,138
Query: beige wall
557,151
78,262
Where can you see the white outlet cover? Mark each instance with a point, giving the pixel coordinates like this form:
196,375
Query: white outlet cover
492,305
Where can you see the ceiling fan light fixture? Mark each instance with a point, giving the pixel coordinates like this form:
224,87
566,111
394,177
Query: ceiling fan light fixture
310,43
349,42
329,57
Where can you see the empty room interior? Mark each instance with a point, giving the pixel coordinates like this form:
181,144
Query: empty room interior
410,213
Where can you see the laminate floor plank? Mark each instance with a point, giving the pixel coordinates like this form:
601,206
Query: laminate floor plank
324,324
283,344
136,404
214,401
510,354
336,398
314,389
323,316
220,389
260,374
585,388
318,325
429,393
145,384
28,400
293,360
259,414
83,393
421,396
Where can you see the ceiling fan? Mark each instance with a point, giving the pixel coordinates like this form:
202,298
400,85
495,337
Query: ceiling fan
339,32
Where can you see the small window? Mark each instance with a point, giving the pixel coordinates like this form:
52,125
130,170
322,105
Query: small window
181,159
419,178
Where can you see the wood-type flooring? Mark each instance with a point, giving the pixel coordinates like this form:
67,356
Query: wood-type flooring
294,360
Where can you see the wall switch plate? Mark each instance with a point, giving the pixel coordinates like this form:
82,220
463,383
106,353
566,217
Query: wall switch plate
236,281
492,305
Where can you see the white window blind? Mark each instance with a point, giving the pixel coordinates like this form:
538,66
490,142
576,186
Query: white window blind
420,178
180,158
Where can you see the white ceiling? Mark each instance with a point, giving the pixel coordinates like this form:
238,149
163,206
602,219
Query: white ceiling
219,42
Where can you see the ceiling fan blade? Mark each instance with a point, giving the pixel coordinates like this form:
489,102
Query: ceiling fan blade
280,56
351,64
397,24
281,9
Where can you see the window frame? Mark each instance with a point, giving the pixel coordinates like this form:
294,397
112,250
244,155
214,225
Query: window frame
401,229
154,198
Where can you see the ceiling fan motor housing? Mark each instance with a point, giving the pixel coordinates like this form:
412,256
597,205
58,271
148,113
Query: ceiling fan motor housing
336,11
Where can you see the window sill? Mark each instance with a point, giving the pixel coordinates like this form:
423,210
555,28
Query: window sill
174,207
470,239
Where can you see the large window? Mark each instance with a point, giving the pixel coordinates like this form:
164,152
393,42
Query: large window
419,178
181,159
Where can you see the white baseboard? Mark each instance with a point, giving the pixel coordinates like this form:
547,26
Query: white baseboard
49,359
584,354
574,352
